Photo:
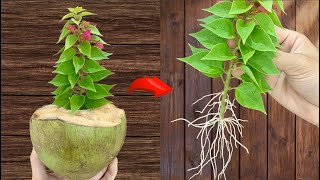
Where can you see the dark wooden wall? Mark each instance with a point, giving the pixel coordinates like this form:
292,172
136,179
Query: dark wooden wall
282,146
29,32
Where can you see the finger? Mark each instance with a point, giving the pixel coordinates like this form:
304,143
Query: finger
38,169
286,38
112,170
294,42
100,174
290,63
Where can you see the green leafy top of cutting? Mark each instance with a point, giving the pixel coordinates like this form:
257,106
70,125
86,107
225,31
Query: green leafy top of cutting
77,69
251,25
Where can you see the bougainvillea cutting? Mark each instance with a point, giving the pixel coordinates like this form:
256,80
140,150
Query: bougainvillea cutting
79,135
250,26
78,70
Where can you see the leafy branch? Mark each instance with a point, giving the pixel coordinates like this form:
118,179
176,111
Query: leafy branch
78,70
250,24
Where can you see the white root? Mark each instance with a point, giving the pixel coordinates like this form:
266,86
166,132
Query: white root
221,145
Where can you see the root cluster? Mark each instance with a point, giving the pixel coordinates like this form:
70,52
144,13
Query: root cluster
225,131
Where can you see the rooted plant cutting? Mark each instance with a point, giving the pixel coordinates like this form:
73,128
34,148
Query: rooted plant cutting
81,131
250,25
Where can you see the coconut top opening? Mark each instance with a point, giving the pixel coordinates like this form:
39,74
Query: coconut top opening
105,116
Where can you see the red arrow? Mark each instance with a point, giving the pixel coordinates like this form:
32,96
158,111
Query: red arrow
155,85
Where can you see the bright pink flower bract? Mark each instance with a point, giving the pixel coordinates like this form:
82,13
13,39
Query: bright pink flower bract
86,35
99,45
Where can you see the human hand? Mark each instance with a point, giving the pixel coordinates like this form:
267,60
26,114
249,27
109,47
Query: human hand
39,171
297,87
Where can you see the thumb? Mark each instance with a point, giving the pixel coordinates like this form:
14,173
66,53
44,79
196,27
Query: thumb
290,63
37,167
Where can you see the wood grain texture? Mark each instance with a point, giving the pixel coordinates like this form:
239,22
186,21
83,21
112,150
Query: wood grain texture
26,70
307,135
133,163
120,21
281,123
172,105
29,32
196,86
17,110
255,137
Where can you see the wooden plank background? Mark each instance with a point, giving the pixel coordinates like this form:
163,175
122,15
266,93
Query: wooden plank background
282,146
29,32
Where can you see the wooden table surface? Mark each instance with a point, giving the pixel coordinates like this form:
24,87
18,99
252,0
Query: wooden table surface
146,37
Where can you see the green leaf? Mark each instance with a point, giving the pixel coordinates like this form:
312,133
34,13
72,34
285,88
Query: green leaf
92,66
97,76
207,38
78,63
195,50
60,80
70,41
87,13
107,87
71,9
221,9
76,9
262,62
209,68
91,104
209,19
101,92
246,52
266,23
66,55
94,30
76,102
267,4
280,5
73,78
69,15
65,68
85,48
98,54
273,15
260,40
240,7
87,83
76,21
96,39
244,29
263,85
63,99
69,22
275,42
220,52
248,96
63,34
60,51
221,27
248,71
60,89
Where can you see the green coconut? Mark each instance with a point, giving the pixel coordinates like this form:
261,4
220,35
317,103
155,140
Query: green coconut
77,146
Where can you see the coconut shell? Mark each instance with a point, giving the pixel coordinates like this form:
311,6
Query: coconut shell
76,151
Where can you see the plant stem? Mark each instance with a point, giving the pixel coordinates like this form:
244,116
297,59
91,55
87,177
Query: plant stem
226,89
